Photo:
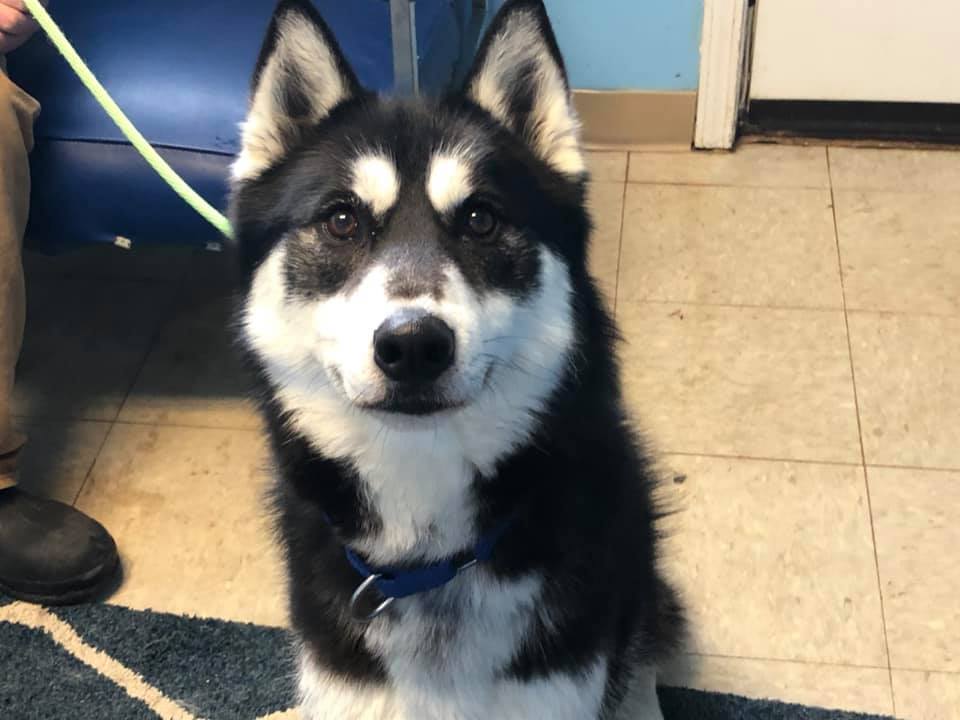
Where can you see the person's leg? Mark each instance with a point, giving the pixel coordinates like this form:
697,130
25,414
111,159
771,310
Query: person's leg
49,552
17,112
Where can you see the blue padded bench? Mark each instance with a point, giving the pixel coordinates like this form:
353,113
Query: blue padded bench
181,71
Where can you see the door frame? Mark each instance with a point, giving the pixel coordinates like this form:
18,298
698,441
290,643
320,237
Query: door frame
724,71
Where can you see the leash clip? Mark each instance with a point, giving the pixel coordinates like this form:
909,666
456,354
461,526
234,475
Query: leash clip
358,593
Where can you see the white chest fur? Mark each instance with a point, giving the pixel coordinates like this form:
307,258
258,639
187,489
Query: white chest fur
418,483
443,657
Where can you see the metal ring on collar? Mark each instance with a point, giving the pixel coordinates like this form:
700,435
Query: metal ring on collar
358,593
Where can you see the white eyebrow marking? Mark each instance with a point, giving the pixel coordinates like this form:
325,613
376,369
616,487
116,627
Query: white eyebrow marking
375,182
449,180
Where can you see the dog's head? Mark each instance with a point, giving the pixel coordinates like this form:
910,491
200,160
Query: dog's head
411,257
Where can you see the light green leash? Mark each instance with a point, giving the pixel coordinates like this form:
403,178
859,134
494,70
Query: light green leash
100,94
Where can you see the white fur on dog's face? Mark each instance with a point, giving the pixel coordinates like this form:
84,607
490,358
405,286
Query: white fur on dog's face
376,181
328,342
450,179
323,348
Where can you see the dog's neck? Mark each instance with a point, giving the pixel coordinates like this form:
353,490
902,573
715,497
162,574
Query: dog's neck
419,485
415,486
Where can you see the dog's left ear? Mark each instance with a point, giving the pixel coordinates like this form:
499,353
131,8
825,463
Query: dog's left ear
519,78
301,76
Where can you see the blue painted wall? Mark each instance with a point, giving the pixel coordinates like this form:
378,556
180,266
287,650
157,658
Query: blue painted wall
629,44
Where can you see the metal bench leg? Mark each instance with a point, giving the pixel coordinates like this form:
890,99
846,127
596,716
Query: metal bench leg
403,28
471,38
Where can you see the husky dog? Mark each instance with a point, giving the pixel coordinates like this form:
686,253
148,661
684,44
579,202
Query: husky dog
467,518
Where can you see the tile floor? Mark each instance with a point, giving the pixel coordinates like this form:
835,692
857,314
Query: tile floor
792,326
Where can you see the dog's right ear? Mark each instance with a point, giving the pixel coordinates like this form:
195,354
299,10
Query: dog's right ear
519,78
301,76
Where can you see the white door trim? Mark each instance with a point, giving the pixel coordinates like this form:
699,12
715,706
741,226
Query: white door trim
722,51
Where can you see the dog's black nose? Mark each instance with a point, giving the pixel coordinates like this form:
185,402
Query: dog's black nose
417,349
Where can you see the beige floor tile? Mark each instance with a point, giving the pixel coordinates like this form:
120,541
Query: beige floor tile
775,560
836,687
187,510
740,381
58,456
747,246
894,169
901,252
926,695
193,375
908,383
607,166
749,165
915,517
85,342
606,208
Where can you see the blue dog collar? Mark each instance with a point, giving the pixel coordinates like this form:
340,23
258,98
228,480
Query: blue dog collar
394,583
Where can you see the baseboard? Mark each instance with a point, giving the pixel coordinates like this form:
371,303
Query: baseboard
871,121
633,119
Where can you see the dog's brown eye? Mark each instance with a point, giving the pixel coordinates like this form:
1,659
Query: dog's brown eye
342,223
480,220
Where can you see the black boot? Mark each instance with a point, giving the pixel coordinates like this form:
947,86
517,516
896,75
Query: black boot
51,553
